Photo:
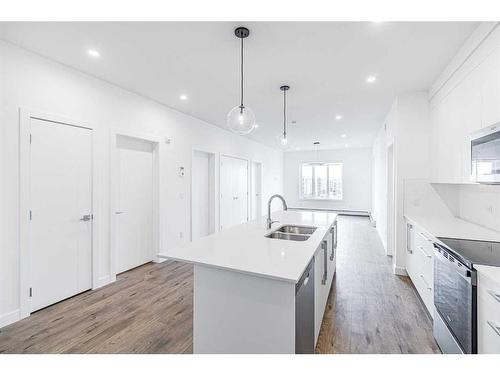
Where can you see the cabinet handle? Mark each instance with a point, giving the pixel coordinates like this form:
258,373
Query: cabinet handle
409,228
325,262
495,295
422,234
494,326
425,282
424,252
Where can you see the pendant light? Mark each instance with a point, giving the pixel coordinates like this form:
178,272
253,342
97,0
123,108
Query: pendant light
240,119
283,138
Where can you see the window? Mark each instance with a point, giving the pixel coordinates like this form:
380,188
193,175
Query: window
321,181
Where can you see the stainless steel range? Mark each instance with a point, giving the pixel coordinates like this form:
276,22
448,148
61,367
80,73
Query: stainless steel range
455,300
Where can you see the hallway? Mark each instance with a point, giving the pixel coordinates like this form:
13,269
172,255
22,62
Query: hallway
370,310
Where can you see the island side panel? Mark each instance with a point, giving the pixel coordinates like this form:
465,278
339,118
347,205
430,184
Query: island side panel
239,313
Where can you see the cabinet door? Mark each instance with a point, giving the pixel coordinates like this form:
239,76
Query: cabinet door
488,314
490,90
468,108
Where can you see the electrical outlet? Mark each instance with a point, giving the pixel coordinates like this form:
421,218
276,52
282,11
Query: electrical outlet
491,209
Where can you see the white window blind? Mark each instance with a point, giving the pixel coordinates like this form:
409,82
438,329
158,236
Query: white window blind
321,181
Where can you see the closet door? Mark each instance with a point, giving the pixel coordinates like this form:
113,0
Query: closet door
234,191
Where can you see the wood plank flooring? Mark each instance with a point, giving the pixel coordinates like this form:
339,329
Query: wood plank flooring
370,310
149,309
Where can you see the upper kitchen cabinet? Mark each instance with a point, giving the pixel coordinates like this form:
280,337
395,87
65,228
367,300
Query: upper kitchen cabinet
490,90
467,102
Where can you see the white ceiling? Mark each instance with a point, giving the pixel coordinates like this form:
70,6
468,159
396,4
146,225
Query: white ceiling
325,64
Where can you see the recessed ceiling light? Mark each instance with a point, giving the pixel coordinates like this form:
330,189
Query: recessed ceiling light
94,53
346,145
183,97
256,126
338,117
343,135
371,79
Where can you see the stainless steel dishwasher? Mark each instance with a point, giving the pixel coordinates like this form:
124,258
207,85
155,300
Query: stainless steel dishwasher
304,312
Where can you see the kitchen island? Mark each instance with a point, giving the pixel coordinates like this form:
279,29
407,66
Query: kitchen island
245,285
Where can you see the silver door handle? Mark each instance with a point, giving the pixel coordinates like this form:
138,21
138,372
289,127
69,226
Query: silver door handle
306,280
325,262
495,295
119,212
494,326
86,218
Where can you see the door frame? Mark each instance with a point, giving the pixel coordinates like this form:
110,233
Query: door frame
248,183
216,194
391,203
25,116
114,189
261,184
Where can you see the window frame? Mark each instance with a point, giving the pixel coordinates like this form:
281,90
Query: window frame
314,163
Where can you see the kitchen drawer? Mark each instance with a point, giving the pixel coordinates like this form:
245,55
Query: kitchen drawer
424,242
425,288
488,288
488,325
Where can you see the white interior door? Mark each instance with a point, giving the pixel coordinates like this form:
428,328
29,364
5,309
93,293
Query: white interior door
61,194
240,191
234,191
256,190
202,194
135,203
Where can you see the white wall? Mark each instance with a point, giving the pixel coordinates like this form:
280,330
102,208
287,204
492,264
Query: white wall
356,178
27,80
379,185
407,128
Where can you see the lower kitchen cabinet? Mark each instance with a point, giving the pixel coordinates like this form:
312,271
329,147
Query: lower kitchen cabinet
488,314
420,263
324,270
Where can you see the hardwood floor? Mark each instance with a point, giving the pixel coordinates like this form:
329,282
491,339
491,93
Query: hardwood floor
149,309
370,310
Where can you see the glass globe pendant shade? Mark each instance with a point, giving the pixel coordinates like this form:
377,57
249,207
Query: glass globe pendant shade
241,120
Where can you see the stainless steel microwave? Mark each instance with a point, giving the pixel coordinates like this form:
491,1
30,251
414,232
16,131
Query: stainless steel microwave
485,155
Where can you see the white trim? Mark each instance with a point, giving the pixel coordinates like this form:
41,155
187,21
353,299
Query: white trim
464,61
113,189
401,271
9,318
25,116
103,281
216,195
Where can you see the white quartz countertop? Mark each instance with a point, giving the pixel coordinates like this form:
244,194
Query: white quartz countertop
490,271
452,227
243,248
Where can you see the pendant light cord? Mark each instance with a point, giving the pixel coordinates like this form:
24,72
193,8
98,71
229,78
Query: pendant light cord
284,113
241,104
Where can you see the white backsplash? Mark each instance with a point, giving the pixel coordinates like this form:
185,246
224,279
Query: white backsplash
478,204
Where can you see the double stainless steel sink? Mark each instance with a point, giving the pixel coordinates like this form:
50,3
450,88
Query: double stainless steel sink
292,233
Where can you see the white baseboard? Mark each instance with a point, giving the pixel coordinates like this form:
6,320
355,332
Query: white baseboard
159,260
104,280
9,318
401,271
